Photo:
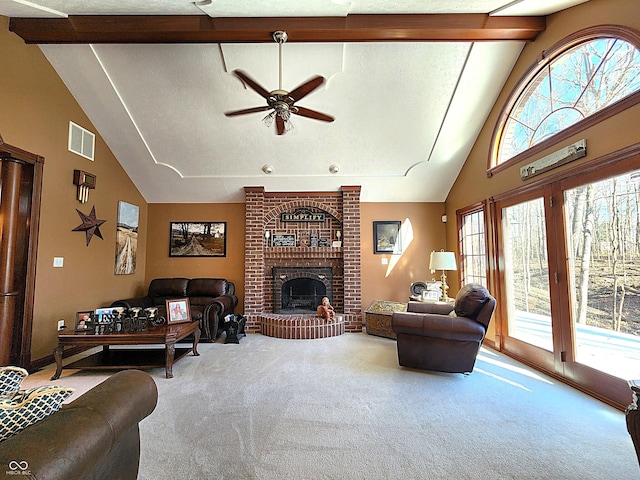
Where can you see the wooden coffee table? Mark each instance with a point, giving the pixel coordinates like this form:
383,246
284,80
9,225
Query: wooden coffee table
110,359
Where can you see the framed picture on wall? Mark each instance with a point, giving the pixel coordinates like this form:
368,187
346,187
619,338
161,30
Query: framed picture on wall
386,237
126,238
198,239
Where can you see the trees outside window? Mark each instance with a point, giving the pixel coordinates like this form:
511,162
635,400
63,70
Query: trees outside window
576,81
472,245
602,219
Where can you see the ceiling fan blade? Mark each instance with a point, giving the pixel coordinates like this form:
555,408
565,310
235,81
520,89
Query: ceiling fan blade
280,128
306,112
252,83
306,88
246,110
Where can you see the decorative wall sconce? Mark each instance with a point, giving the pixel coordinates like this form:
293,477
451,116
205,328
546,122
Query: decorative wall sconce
267,234
85,181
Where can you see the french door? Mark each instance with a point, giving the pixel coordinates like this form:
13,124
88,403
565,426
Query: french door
569,267
528,328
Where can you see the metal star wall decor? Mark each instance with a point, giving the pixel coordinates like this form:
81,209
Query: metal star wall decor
90,224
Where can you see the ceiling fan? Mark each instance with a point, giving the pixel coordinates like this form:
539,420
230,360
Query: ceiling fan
281,102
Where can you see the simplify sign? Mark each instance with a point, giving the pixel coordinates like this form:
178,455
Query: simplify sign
302,215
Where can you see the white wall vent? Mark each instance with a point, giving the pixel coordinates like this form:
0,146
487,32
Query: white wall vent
81,141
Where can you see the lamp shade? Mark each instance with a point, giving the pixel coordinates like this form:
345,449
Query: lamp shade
442,261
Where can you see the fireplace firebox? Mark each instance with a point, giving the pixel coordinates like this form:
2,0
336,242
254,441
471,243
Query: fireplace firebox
300,289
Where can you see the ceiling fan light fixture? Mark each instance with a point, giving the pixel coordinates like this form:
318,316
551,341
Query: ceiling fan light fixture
282,109
288,125
281,101
268,120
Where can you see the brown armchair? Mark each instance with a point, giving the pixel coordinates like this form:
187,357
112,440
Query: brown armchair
444,337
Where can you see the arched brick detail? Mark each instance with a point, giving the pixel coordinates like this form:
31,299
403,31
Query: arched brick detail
301,203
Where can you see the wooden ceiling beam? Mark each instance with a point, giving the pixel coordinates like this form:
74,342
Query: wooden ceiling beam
203,29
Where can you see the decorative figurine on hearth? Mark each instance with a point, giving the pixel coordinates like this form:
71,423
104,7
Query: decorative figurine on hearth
326,310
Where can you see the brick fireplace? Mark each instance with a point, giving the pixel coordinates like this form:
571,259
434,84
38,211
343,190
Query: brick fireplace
309,253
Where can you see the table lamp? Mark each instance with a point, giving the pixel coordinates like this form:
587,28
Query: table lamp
443,261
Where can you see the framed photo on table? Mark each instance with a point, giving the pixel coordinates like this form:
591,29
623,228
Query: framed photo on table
84,321
386,237
178,311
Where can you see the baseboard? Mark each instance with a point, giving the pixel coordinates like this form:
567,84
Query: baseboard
40,363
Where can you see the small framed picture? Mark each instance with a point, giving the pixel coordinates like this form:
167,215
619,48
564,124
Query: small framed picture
386,237
84,321
103,315
430,295
178,310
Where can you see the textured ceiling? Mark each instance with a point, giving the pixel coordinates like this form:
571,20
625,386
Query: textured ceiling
406,113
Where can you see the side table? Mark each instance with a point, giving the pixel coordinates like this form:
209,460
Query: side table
378,317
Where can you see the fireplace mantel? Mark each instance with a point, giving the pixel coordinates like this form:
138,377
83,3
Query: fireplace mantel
302,252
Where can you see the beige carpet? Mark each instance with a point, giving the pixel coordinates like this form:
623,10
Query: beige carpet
342,408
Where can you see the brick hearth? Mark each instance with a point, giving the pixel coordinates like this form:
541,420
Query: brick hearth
263,213
300,326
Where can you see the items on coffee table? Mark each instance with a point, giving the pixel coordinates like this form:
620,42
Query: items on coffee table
117,320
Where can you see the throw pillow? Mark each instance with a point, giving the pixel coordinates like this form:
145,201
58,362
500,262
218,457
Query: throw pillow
30,406
10,380
470,299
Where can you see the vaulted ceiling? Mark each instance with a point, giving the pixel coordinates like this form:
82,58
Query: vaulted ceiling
409,82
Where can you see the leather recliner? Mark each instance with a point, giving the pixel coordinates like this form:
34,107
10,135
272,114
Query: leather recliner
444,337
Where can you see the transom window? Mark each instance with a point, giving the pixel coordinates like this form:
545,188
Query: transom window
584,78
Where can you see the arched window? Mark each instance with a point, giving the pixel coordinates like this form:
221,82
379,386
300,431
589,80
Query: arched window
582,76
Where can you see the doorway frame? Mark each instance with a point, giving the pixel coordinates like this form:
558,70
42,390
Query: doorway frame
27,276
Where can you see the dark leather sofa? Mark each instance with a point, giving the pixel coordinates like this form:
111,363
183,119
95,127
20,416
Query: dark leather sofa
430,337
210,299
95,437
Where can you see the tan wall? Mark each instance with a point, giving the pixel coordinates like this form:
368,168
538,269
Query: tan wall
392,281
472,184
379,282
36,110
160,264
